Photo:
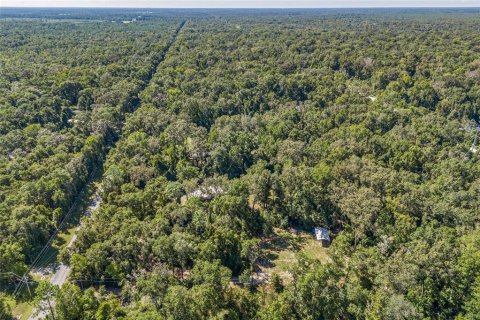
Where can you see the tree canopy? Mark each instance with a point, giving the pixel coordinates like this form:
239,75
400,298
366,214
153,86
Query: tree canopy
213,128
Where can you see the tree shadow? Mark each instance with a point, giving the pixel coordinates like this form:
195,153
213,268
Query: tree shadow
25,293
266,260
281,240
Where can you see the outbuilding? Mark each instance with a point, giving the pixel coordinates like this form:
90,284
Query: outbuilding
322,235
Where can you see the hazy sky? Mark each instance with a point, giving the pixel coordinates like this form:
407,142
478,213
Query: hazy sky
240,3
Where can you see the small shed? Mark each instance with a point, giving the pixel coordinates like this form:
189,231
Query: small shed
322,235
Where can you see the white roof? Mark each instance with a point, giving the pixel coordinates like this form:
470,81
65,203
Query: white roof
322,234
206,193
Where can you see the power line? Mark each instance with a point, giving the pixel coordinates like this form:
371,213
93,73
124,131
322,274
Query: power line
20,286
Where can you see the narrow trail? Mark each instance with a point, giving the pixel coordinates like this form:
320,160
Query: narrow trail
62,271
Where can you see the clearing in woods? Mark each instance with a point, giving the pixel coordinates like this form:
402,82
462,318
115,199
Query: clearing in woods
280,251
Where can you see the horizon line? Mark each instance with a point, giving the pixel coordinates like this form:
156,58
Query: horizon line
272,7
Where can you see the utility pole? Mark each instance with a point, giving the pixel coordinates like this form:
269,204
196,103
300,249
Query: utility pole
473,148
25,280
50,306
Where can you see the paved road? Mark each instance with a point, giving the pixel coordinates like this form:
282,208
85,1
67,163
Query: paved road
62,271
60,275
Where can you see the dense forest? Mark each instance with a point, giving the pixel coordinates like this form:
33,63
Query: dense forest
215,133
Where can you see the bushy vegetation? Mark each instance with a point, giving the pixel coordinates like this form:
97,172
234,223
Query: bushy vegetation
212,133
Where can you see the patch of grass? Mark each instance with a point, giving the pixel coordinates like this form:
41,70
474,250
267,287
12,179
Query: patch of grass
23,310
280,251
41,277
65,237
10,301
314,250
23,307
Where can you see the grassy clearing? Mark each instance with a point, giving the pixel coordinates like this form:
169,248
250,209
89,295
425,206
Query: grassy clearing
280,251
23,310
23,307
314,250
65,237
